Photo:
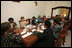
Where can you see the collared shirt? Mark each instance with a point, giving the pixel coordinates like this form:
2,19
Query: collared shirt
13,25
22,24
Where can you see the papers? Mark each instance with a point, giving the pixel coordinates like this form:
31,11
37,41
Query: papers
43,27
33,30
40,31
28,33
27,26
33,26
24,31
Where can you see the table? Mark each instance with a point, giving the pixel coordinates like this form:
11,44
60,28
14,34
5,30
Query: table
29,40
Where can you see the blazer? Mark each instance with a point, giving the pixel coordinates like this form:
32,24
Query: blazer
46,39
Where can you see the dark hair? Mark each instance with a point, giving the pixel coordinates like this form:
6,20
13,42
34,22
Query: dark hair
57,21
4,27
33,17
48,23
28,20
22,17
44,16
10,19
57,15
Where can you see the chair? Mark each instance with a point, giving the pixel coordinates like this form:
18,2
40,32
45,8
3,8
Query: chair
62,36
58,42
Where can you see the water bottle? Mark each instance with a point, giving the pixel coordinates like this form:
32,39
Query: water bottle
38,26
25,28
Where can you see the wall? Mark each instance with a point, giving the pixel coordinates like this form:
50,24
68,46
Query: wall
52,4
16,10
28,9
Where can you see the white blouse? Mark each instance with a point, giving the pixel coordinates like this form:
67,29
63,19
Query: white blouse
22,24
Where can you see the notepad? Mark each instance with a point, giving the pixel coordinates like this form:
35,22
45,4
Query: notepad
23,36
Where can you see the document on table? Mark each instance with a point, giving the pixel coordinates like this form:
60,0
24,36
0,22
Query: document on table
43,27
27,26
33,30
28,33
24,31
40,31
33,26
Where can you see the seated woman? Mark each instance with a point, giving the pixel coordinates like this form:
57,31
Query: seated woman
44,18
4,27
22,22
12,23
39,19
33,21
46,39
56,28
10,39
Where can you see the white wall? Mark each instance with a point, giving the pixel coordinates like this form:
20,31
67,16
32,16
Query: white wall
28,9
16,10
52,4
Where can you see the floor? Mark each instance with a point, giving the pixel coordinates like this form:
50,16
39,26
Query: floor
68,40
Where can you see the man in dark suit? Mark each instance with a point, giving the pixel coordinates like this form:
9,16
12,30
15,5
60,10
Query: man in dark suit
46,39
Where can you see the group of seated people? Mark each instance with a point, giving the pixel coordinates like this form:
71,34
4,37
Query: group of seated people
46,39
32,21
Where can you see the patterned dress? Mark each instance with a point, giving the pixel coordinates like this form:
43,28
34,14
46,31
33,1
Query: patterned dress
11,40
56,30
